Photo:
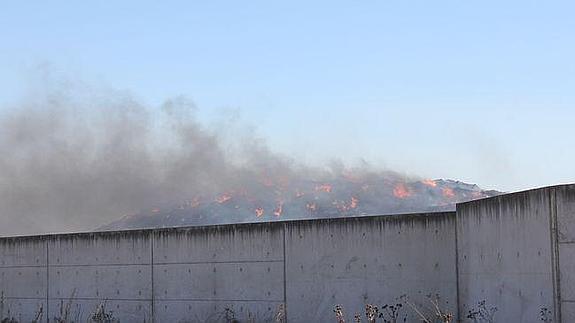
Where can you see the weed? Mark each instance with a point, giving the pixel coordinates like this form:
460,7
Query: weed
482,314
391,313
101,316
545,315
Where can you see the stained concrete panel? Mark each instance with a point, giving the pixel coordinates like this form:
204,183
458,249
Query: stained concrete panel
104,248
565,197
23,251
504,250
199,272
371,260
219,243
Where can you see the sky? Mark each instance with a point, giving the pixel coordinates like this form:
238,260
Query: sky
479,91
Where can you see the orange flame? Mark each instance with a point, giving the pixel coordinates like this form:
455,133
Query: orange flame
401,192
259,212
223,198
312,207
323,188
429,182
448,192
195,202
278,210
354,202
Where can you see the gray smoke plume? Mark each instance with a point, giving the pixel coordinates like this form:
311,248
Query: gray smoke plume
75,159
71,162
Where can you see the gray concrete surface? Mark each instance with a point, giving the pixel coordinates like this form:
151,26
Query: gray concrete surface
514,251
368,261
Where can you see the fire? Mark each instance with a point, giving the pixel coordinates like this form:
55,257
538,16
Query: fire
259,212
223,198
448,192
401,192
195,202
429,182
323,188
343,206
311,206
278,210
354,202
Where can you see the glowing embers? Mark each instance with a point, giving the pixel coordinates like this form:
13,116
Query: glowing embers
326,188
223,198
429,182
448,192
279,208
259,212
401,191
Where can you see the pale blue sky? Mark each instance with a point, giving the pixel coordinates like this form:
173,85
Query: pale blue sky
482,91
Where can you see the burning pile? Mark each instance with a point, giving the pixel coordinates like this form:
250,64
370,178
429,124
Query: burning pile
345,195
73,160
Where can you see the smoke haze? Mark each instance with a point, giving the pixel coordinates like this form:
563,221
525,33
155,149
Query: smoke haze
76,158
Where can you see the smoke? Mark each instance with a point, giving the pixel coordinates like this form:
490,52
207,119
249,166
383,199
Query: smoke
73,159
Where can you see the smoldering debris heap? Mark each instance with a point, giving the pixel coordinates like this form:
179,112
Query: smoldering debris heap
75,158
306,199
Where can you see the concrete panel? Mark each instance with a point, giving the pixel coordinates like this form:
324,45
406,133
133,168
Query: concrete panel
220,281
219,243
23,251
82,309
371,260
102,282
23,309
565,197
23,282
567,269
504,250
215,311
104,248
568,312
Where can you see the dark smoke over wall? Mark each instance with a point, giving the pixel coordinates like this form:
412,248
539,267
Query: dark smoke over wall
76,160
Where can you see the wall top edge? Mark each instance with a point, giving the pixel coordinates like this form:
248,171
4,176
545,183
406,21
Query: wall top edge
231,226
511,195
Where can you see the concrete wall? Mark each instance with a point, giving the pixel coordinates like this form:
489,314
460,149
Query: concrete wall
564,197
194,274
368,261
516,252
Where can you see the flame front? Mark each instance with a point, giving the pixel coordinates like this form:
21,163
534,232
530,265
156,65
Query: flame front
400,191
323,188
448,192
279,209
259,212
429,182
223,198
311,206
